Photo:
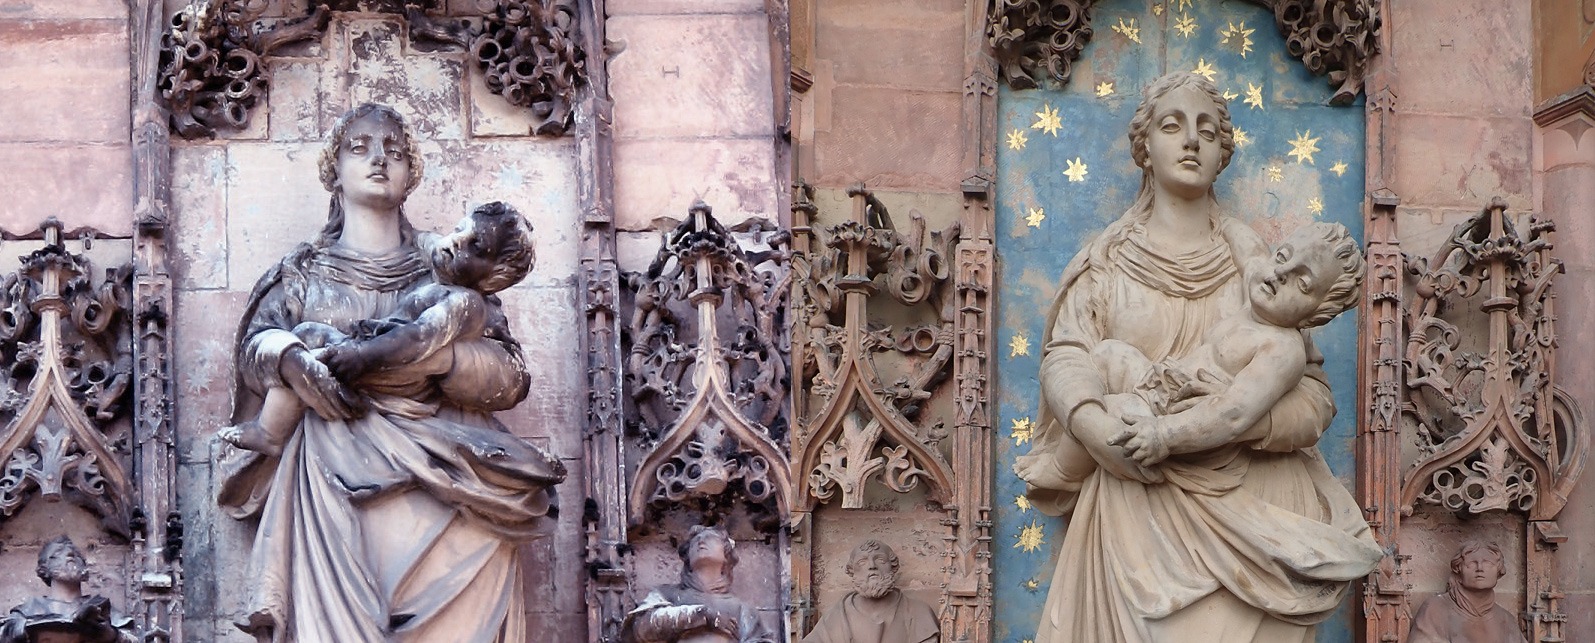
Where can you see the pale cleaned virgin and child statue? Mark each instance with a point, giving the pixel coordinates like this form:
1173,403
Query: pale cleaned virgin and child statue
369,361
1182,405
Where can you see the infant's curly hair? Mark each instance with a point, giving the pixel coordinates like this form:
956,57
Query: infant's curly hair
511,235
1347,289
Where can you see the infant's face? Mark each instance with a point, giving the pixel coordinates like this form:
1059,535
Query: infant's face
1286,288
466,256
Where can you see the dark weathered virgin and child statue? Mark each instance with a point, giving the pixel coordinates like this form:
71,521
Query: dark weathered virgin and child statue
1182,402
368,365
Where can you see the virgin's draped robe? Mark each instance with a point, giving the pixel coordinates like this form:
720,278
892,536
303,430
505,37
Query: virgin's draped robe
400,525
1253,541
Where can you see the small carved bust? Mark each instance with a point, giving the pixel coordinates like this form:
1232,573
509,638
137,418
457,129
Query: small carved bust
701,609
1466,612
877,611
65,615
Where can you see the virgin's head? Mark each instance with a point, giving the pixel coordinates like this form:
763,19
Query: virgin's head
1181,137
371,160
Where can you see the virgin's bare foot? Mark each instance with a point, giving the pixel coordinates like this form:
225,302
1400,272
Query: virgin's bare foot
249,436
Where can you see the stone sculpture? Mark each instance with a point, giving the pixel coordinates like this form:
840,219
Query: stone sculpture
877,611
701,609
1210,516
1466,611
385,443
65,615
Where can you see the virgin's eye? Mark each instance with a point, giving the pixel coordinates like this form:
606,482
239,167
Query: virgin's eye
1305,285
357,148
1209,135
1171,127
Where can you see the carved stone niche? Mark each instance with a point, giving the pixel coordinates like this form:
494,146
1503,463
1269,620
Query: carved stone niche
1488,430
877,340
66,373
1037,41
213,67
705,404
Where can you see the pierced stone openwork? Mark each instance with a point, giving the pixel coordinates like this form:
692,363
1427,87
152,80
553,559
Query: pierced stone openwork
706,372
66,341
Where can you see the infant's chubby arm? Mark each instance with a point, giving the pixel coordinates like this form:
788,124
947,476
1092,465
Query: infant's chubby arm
1277,360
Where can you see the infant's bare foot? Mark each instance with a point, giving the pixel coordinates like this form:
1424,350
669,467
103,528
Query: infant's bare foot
250,436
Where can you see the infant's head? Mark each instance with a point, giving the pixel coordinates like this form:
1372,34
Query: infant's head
1313,275
490,250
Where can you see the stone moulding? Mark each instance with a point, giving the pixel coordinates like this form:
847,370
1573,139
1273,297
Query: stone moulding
67,346
213,73
710,402
1037,41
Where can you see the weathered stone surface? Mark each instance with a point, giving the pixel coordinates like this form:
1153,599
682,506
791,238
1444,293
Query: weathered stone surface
199,216
1464,162
662,178
274,202
80,185
295,99
53,10
890,139
64,81
1472,57
205,328
425,88
552,573
689,76
910,45
547,323
491,114
659,7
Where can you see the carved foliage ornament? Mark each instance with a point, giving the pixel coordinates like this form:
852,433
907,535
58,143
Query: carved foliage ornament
212,73
67,348
1493,433
706,372
1037,40
864,427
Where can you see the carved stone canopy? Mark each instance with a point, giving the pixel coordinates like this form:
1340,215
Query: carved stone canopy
212,73
1493,432
1037,41
67,344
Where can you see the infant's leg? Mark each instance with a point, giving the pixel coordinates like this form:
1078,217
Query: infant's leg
1122,366
280,413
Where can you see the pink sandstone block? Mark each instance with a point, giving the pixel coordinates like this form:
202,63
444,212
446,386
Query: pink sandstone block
64,81
1469,57
688,76
656,178
1455,161
913,45
79,184
890,138
199,216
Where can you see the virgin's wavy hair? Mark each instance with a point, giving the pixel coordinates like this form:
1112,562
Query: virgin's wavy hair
1141,128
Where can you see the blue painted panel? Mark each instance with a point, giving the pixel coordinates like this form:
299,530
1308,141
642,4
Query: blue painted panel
1264,185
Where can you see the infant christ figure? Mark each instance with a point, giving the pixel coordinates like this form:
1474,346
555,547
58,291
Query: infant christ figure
490,250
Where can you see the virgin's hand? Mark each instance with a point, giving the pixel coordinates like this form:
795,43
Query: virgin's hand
317,388
1146,442
1096,429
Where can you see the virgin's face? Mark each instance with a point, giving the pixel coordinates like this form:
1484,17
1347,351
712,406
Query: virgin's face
373,168
1182,145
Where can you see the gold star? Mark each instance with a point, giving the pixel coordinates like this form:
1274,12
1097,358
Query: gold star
1315,205
1157,10
1275,174
1181,4
1031,537
1017,139
1104,89
1229,96
1129,30
1339,168
1076,171
1022,503
1047,120
1032,584
1302,147
1241,139
1238,37
1019,345
1022,428
1186,25
1254,96
1034,217
1205,70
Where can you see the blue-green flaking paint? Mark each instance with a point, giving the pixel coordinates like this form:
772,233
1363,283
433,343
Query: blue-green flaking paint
1030,259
